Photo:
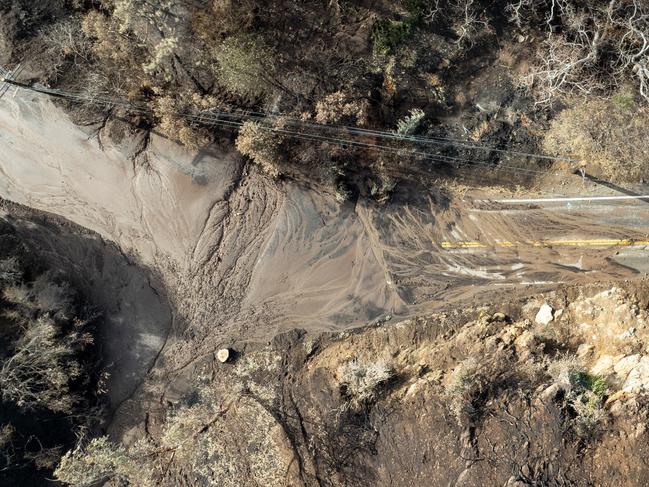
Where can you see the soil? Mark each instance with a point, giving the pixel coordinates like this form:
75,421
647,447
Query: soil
135,318
208,253
519,429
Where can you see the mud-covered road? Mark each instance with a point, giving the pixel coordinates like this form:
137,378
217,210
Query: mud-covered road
244,257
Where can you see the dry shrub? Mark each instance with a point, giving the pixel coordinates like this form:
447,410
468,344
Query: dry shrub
42,366
590,47
119,55
162,52
43,296
207,439
197,440
339,106
108,42
564,368
261,145
246,66
64,40
101,460
45,458
362,381
52,298
604,134
473,383
172,112
42,361
234,15
10,272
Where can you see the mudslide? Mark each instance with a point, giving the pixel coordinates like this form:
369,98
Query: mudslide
244,257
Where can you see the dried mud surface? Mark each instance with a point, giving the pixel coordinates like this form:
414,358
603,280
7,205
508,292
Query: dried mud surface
246,257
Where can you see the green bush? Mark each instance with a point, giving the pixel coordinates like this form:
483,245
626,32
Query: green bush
593,383
585,393
387,35
246,65
408,124
624,100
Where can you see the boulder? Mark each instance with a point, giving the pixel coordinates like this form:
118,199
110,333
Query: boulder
625,365
585,350
544,316
638,378
223,355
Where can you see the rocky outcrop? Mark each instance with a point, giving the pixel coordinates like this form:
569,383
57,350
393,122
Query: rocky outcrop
473,397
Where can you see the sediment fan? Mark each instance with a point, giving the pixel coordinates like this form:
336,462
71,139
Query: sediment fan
8,75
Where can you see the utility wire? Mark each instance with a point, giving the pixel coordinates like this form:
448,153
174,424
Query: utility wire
259,116
428,140
10,75
233,121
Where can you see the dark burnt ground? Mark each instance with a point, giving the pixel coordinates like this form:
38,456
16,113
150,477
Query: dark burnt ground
391,56
128,312
39,435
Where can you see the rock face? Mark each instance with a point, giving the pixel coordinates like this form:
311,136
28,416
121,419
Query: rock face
544,316
612,332
637,379
451,375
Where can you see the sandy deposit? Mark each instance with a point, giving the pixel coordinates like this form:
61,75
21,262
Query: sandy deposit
246,257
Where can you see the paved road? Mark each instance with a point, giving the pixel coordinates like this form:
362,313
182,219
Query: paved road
593,233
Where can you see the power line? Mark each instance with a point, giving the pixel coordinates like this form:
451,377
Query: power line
429,140
235,121
8,75
383,148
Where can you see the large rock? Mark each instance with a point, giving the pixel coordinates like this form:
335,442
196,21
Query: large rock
544,316
626,365
638,378
223,355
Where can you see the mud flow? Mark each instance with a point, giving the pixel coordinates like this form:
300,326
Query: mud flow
246,257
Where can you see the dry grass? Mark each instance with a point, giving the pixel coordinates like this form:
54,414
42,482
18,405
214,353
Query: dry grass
362,380
463,384
607,135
